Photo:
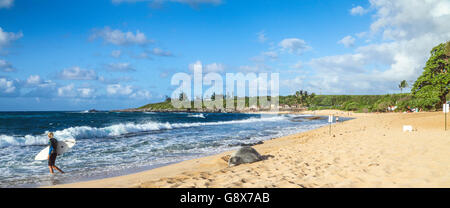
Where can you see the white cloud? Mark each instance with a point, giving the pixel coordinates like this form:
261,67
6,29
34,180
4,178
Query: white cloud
7,86
160,52
114,80
143,55
271,54
66,91
358,10
34,86
406,19
34,80
297,65
293,84
70,91
117,37
76,73
117,89
120,67
86,92
141,94
339,64
6,66
116,53
262,37
361,34
406,32
192,66
40,88
347,41
7,37
260,59
6,3
164,74
441,9
213,67
294,45
375,68
247,68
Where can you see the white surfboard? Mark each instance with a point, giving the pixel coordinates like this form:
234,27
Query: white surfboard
62,147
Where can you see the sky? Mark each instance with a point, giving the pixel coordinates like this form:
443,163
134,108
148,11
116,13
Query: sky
114,54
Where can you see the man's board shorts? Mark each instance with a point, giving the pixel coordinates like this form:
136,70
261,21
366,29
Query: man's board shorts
51,160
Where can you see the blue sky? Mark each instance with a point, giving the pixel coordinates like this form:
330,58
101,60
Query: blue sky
109,54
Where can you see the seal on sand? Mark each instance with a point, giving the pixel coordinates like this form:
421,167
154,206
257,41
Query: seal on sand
244,155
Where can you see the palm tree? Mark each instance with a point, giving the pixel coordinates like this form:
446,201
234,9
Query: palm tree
302,97
403,84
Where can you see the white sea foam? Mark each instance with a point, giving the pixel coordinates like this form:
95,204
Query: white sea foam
86,132
6,140
197,115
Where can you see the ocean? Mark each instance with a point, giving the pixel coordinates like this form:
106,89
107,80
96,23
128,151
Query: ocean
117,143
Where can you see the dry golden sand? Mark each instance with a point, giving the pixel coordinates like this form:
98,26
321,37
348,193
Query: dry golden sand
369,151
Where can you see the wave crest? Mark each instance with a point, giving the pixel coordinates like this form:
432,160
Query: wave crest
86,132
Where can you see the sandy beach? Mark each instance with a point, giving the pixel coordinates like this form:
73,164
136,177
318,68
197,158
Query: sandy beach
368,151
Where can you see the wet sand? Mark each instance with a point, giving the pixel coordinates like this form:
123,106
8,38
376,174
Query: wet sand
369,151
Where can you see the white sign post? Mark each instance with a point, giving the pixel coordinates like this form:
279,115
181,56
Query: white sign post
445,108
330,120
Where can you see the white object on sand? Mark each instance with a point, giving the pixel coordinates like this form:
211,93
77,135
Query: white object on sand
407,128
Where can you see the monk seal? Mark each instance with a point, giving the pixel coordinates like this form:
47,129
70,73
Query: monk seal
244,155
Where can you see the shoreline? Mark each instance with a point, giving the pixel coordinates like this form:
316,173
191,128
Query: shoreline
150,168
381,157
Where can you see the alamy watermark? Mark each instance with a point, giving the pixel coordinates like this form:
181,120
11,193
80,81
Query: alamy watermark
239,92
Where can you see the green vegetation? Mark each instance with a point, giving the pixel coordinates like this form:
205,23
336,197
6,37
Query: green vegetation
432,87
302,98
158,106
361,103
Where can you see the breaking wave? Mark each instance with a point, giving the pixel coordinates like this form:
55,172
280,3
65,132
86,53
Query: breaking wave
196,115
86,132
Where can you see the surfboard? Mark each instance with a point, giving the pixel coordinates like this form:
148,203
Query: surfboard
62,147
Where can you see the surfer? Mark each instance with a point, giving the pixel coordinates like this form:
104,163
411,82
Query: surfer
52,153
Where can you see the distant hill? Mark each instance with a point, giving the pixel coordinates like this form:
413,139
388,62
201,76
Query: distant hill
158,106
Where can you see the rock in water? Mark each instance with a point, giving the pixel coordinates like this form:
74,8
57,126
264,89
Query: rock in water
244,155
